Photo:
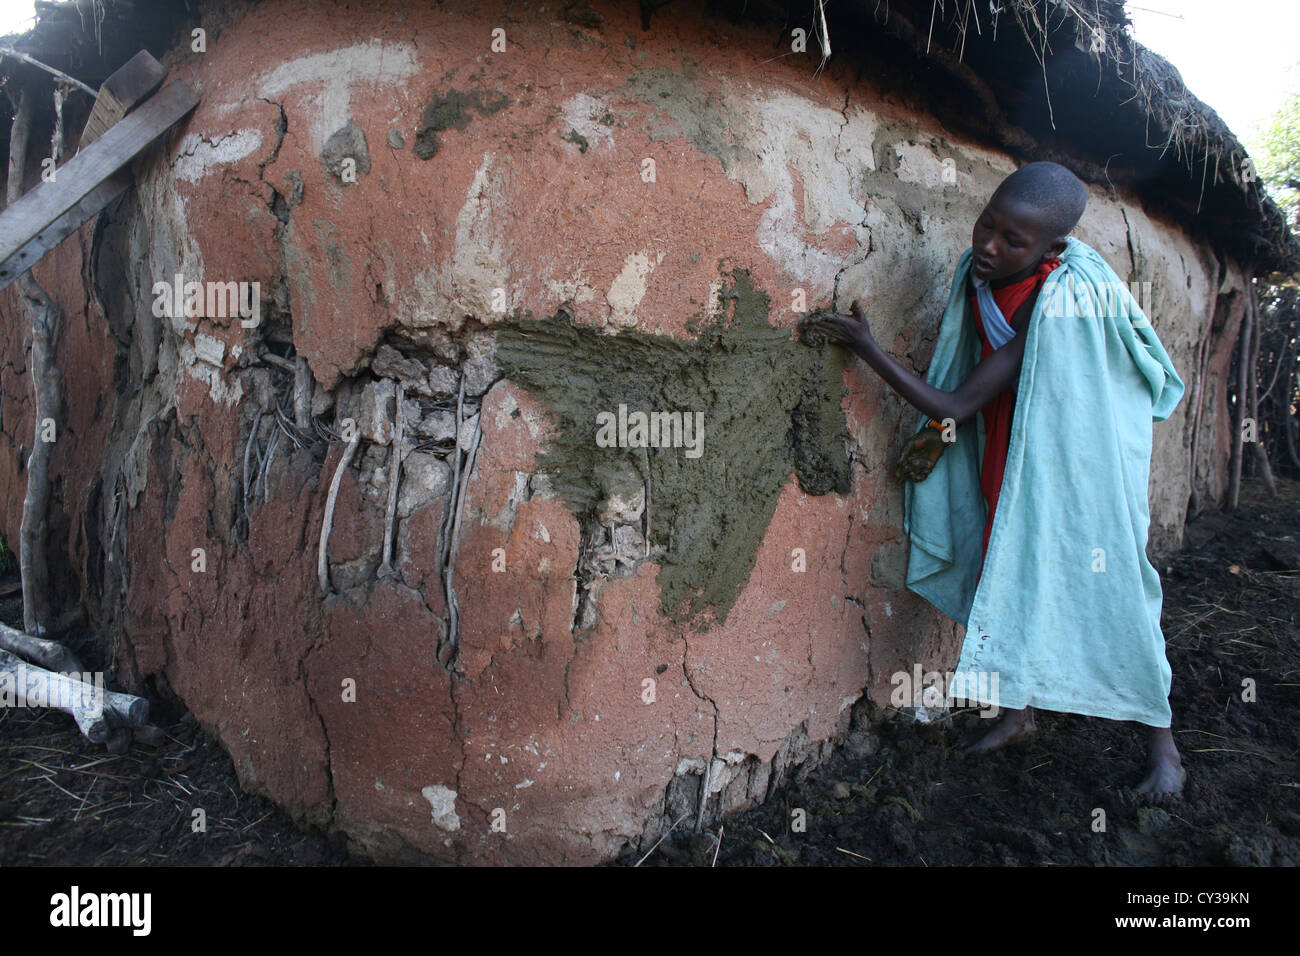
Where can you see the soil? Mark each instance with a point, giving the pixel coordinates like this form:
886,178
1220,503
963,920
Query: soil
897,793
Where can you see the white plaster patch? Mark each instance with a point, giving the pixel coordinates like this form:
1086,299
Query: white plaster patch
629,288
209,349
443,801
581,113
335,72
478,261
813,143
222,388
920,165
571,289
790,137
196,156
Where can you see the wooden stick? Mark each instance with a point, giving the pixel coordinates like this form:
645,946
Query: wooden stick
1257,446
271,444
131,84
44,316
445,532
18,135
24,223
51,655
248,448
96,711
70,80
46,386
394,476
303,387
664,837
704,794
327,524
453,603
1237,446
270,358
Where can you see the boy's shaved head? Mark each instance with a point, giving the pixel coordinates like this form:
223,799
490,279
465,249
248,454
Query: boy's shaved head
1057,194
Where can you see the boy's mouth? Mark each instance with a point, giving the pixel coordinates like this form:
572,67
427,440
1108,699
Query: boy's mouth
981,268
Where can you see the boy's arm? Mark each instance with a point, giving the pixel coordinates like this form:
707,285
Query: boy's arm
988,379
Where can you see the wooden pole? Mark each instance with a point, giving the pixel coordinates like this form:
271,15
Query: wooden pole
1258,450
48,654
44,315
1243,357
96,711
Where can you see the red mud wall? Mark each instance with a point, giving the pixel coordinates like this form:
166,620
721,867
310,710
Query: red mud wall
534,743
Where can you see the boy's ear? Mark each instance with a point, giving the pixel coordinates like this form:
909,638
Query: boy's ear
1055,249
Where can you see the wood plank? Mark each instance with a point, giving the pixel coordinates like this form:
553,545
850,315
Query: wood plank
71,221
25,222
131,84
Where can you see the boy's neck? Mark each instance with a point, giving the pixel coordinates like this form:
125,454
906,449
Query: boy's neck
1020,276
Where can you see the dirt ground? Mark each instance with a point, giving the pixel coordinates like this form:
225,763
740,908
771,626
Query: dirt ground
897,793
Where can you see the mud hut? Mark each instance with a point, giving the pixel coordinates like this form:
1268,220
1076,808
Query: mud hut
361,528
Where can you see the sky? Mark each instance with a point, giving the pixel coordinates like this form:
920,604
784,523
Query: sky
1239,57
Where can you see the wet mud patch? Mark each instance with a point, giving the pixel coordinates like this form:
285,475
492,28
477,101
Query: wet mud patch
451,111
755,405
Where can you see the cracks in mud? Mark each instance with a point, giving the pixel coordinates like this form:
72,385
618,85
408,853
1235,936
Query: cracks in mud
301,676
836,156
713,761
1128,235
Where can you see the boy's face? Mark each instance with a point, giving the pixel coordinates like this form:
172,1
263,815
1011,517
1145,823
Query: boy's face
1009,240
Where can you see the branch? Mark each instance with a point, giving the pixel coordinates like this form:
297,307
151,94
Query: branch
96,711
70,80
327,524
394,476
48,654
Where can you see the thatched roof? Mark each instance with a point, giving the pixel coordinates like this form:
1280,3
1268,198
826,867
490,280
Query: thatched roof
1040,79
1063,80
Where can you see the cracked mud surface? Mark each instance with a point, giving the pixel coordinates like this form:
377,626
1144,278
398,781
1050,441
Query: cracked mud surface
897,793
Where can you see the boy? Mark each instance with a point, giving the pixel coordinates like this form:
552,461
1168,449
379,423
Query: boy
1057,594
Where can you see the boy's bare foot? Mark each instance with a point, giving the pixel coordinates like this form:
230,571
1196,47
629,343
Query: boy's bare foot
1165,780
1014,727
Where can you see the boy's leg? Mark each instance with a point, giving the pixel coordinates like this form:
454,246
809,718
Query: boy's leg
1167,775
1015,726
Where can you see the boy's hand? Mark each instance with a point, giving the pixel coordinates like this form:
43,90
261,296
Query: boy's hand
849,331
920,455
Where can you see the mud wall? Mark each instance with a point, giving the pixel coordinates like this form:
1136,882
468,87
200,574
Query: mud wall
571,646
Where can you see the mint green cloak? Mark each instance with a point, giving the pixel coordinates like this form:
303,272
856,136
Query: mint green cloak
1066,615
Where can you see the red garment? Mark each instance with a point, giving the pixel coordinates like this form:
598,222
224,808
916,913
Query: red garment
998,412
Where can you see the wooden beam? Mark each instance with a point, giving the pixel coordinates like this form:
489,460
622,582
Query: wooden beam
129,86
72,220
28,228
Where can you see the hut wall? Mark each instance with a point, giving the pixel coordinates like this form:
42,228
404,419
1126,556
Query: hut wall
640,182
